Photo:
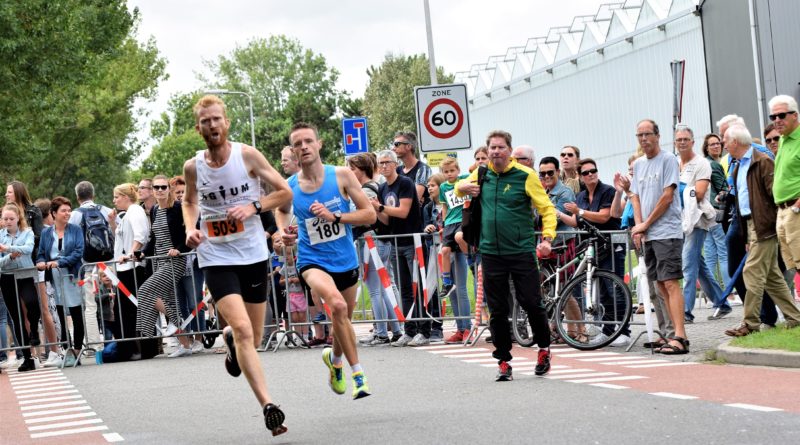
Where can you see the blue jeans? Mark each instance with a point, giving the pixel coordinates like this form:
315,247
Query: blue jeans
716,253
694,267
189,296
459,300
381,306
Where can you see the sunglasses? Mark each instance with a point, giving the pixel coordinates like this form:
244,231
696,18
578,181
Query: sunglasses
399,143
589,172
160,187
567,155
549,173
771,140
781,116
522,159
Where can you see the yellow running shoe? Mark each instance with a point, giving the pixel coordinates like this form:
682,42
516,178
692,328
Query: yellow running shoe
360,386
336,381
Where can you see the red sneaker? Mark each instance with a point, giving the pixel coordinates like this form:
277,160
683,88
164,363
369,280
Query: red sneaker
543,362
454,339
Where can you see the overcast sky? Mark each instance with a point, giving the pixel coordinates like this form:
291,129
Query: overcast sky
350,34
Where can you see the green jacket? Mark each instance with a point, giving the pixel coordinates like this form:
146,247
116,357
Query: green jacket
507,198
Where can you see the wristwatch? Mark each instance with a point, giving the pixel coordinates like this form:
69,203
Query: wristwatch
548,239
581,212
796,209
257,205
380,208
338,216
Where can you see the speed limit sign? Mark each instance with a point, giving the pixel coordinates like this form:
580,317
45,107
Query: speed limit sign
442,117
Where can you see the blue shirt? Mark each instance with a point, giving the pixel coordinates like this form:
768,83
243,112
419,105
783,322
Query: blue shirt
559,195
742,194
732,163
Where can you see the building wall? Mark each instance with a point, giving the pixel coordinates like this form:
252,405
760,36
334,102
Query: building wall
778,35
596,104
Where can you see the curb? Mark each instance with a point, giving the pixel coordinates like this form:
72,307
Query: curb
757,357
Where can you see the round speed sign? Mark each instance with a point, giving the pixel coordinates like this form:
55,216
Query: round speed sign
443,118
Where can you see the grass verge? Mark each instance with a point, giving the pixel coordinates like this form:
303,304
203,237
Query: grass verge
777,338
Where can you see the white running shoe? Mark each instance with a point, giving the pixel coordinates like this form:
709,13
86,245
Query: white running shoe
181,352
11,363
54,360
197,347
621,341
419,340
169,331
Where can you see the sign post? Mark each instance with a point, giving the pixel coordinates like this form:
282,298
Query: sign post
442,117
354,135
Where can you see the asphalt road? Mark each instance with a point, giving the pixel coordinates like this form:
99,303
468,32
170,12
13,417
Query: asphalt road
442,394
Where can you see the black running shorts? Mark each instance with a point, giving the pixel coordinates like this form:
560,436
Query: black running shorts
249,281
343,280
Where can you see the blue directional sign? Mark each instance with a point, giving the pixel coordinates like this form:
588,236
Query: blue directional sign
354,134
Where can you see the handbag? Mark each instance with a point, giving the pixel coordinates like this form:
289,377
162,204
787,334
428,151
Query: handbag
471,214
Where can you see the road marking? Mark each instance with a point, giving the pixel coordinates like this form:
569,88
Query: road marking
113,437
64,424
50,383
469,355
597,359
52,405
435,347
608,379
589,354
45,395
455,351
71,431
571,371
50,399
766,409
61,417
56,411
12,374
608,385
490,365
662,364
41,375
589,374
672,395
487,360
47,390
633,362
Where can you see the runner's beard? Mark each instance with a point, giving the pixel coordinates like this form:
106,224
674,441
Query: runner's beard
218,140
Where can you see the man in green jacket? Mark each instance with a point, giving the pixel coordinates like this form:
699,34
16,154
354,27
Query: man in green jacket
509,192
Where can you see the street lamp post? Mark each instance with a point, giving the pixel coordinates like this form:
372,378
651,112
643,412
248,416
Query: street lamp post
250,99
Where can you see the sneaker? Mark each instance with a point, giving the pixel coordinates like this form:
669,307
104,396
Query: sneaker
70,360
197,347
53,360
360,387
456,338
28,364
437,337
404,340
12,363
315,342
379,341
720,312
136,356
169,331
336,381
621,341
181,352
273,419
368,339
419,340
543,362
740,331
396,336
504,373
231,364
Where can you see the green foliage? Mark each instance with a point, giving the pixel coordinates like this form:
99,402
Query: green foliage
288,84
70,74
178,140
389,98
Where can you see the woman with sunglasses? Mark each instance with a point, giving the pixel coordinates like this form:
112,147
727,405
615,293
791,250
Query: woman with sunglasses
594,205
771,138
157,294
570,157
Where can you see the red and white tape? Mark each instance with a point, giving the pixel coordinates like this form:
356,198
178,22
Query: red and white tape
384,275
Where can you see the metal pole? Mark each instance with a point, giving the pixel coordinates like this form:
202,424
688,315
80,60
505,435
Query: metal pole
252,121
431,59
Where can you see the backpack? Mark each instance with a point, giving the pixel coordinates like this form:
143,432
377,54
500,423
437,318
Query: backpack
97,236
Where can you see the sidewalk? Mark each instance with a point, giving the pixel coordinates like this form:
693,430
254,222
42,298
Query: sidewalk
708,341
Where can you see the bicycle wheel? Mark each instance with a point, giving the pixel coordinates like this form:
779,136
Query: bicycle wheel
592,316
520,326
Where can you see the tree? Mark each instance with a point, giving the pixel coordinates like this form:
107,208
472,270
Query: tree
178,140
71,72
288,84
389,97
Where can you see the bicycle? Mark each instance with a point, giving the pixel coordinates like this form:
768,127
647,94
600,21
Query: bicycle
595,319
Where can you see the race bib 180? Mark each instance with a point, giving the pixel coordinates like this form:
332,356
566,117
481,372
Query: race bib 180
321,231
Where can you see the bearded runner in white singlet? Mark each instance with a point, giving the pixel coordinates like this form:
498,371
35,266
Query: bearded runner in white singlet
326,258
222,189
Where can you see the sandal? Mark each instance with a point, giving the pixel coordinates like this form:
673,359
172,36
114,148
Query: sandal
670,349
579,337
654,344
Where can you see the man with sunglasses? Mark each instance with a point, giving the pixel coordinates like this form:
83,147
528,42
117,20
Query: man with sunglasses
559,195
525,155
405,147
786,185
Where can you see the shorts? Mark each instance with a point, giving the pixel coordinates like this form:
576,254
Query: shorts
449,236
664,259
297,302
248,280
342,280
